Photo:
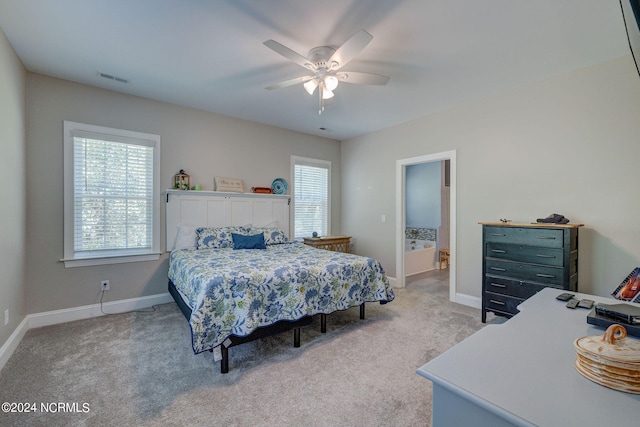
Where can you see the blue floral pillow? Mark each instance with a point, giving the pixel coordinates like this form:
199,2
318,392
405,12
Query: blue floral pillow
272,235
217,237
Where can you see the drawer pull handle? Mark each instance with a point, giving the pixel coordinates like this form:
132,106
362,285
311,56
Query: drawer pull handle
545,256
545,238
498,269
497,302
498,285
498,251
548,276
498,234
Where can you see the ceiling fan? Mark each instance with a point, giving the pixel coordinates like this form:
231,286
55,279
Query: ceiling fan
325,64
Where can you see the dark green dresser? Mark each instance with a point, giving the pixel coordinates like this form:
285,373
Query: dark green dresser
518,260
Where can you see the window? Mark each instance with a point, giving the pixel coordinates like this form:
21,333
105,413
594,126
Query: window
111,195
311,196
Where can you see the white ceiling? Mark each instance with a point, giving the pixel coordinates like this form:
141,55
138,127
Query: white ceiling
209,55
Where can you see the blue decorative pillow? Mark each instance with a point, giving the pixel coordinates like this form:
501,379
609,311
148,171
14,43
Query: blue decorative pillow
272,235
217,237
254,241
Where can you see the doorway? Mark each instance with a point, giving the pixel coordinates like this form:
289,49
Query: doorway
401,195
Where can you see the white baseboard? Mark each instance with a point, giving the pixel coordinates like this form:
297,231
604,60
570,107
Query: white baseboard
471,301
464,299
392,281
88,311
11,344
55,317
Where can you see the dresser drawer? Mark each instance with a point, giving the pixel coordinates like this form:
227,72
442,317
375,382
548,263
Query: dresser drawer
524,253
501,303
513,288
525,236
524,271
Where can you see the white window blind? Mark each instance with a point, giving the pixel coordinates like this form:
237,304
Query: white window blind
112,211
311,197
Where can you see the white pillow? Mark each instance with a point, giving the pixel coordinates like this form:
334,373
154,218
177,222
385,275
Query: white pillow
272,224
186,238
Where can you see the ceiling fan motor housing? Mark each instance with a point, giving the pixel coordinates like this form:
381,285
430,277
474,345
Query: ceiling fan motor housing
319,57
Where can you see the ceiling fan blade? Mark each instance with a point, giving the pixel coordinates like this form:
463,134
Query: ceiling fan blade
289,82
362,78
350,49
289,54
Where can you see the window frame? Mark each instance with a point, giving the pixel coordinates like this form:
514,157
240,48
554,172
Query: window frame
307,161
71,259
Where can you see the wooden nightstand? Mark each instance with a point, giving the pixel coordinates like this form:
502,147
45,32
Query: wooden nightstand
330,243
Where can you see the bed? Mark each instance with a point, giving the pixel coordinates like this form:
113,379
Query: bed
236,283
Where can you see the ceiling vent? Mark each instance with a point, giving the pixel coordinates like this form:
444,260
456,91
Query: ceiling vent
114,78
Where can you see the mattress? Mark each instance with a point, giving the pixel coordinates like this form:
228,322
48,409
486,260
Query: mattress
234,292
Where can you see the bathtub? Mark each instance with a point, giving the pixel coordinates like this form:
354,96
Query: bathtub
419,256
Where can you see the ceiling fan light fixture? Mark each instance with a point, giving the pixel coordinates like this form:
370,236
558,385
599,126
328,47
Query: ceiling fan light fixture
310,86
331,82
325,62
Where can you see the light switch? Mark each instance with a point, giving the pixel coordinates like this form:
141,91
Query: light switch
383,218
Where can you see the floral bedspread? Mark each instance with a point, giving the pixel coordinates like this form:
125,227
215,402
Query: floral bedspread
234,292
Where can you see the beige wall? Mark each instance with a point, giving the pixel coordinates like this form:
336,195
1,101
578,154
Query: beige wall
203,144
12,193
568,145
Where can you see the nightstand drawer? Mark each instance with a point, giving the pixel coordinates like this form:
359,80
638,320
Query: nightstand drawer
524,253
501,303
513,288
525,236
524,271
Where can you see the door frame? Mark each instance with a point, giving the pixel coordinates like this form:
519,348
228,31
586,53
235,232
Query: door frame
401,193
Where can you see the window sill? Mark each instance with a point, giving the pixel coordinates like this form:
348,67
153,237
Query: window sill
105,260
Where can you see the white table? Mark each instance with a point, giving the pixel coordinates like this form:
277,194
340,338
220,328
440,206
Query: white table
522,373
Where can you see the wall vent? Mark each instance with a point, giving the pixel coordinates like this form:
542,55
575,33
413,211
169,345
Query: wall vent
114,78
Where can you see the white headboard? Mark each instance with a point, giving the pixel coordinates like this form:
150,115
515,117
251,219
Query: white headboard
218,209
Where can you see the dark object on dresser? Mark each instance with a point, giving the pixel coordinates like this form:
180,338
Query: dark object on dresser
554,219
519,260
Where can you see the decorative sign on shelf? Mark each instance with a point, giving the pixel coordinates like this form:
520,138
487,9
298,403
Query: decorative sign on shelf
232,185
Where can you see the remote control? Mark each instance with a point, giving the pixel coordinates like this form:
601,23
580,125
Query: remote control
585,303
572,303
564,297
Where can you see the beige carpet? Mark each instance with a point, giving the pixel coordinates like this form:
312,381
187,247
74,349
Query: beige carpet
139,369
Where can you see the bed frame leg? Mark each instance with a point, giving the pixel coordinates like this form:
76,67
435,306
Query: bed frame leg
362,311
296,337
224,362
323,323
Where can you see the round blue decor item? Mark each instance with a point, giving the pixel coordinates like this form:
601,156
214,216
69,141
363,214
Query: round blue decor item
279,186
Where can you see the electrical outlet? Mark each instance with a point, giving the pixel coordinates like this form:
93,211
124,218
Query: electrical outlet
104,285
6,317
